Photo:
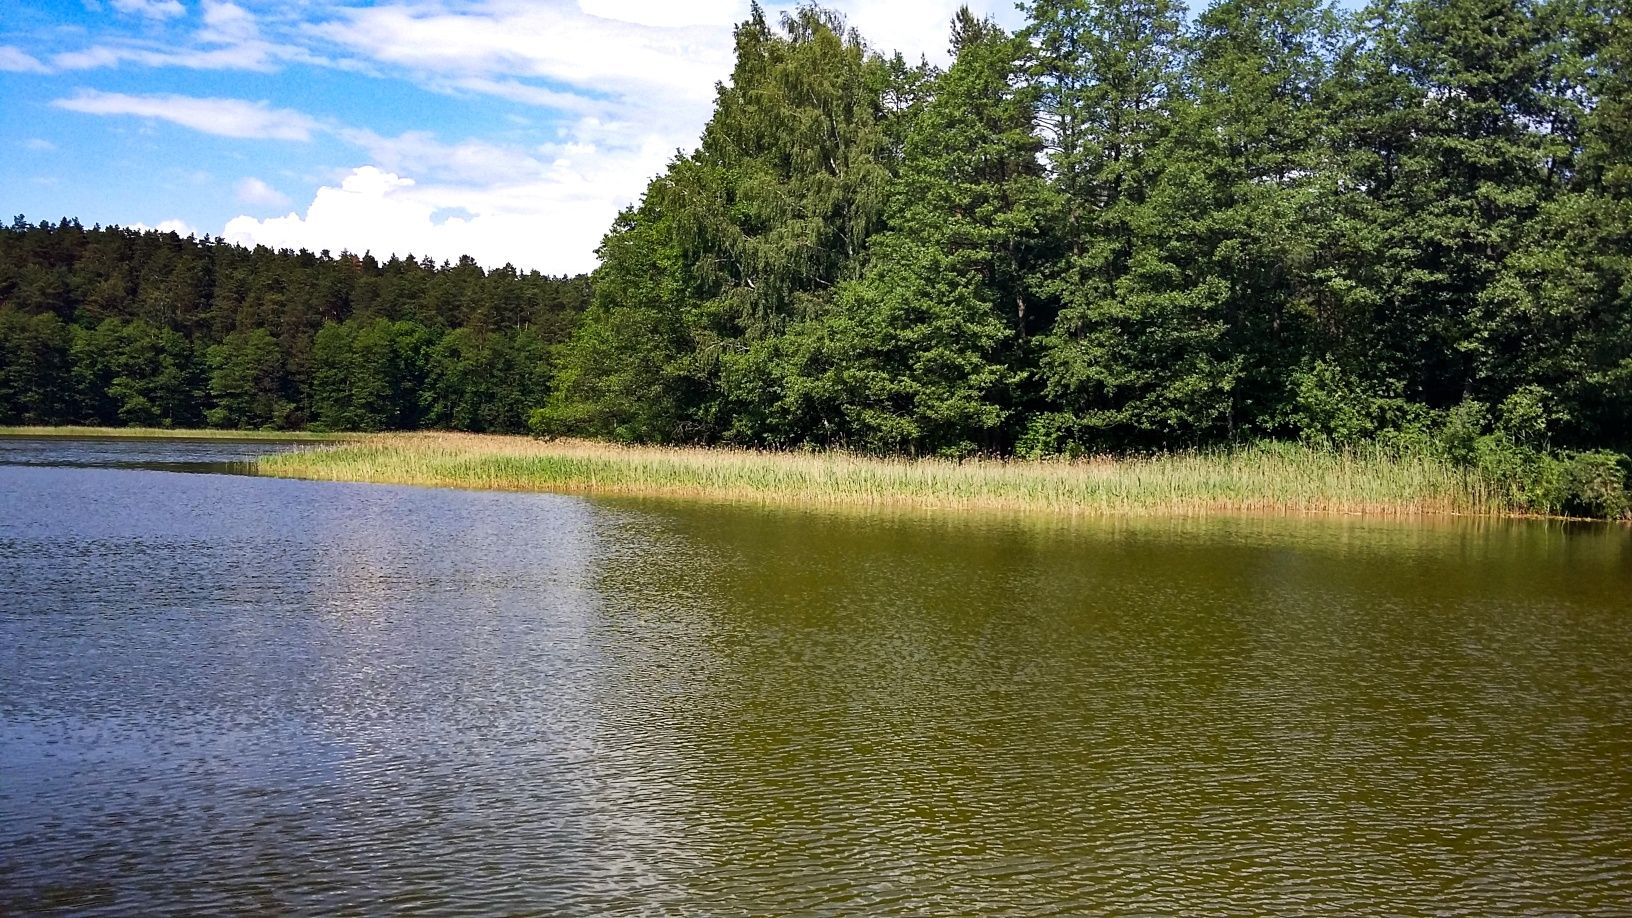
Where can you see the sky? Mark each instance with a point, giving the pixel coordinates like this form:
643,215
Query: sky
508,130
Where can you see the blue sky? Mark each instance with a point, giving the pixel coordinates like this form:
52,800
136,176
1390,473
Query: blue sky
511,130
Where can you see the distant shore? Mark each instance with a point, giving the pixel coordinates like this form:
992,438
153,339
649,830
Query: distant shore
171,433
1276,478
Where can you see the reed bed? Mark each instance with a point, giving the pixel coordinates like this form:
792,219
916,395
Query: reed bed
1273,478
154,433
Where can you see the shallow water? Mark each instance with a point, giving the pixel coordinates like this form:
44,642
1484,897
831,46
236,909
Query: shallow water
230,694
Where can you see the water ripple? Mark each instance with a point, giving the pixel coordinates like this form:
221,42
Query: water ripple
227,695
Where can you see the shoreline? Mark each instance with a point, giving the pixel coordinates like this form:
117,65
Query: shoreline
1268,479
173,433
1274,479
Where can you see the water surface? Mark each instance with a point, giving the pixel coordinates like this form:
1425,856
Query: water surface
231,694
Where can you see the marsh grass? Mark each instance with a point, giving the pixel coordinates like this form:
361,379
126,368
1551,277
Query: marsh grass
167,433
1271,478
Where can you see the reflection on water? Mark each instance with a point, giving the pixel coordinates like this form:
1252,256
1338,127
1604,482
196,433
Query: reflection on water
170,454
235,694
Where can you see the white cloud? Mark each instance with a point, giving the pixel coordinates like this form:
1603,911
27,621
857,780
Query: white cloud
917,27
39,145
666,13
634,79
222,117
179,227
554,43
152,9
639,75
258,56
228,24
551,222
16,60
230,38
252,190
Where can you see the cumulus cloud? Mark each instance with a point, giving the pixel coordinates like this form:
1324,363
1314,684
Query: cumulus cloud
222,117
252,190
550,47
420,153
916,27
534,225
228,24
547,218
179,227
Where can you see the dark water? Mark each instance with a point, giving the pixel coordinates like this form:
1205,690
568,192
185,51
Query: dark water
223,694
175,455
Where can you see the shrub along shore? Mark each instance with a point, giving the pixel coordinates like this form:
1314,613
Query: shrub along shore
1268,478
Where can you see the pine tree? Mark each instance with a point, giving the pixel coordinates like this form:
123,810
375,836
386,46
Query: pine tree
1254,133
1438,109
1135,354
916,355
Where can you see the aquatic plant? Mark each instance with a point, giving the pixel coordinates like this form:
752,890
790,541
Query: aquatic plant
1260,478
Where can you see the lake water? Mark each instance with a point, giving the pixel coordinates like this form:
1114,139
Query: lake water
223,694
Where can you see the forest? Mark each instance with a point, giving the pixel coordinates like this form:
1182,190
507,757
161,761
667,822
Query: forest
114,327
1121,229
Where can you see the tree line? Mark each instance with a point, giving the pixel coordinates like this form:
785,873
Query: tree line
1123,229
1118,229
115,327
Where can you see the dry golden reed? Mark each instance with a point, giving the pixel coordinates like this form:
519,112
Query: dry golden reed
1275,478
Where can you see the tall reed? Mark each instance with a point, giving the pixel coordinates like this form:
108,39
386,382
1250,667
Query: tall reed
1270,478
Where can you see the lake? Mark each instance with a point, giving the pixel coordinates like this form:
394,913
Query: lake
227,694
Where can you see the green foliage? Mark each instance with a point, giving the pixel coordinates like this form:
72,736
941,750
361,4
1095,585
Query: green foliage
1452,135
1250,135
914,355
626,374
248,382
1137,351
370,374
1049,433
34,368
906,364
1463,426
1590,484
1332,407
113,327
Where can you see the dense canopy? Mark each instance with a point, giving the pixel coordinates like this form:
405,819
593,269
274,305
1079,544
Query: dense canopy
1124,229
118,327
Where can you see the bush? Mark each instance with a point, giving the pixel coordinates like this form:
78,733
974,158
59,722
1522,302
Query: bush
1525,416
1050,433
1332,407
1591,484
1595,485
1460,432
